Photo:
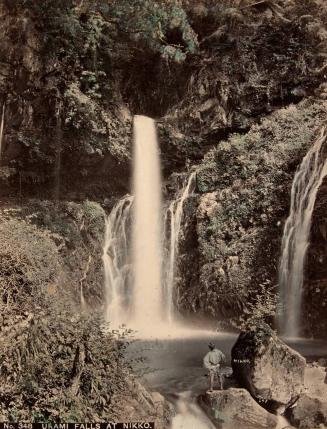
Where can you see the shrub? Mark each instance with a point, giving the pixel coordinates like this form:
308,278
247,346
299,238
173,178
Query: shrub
259,310
30,266
161,25
60,366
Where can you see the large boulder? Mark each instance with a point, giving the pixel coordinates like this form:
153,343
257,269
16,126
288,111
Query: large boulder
233,408
139,404
310,411
270,370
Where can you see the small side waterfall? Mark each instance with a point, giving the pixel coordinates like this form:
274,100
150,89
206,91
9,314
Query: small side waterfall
116,262
57,139
173,223
306,183
147,226
2,126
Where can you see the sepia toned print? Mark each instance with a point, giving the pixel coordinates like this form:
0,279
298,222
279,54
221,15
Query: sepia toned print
163,220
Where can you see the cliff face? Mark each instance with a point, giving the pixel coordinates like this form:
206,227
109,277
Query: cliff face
56,121
244,182
253,58
71,73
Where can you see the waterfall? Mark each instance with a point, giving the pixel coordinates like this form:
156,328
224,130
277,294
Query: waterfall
147,228
2,126
174,217
116,262
139,277
306,183
57,138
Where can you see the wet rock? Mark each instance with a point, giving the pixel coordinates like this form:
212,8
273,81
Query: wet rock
315,291
310,411
234,408
322,362
141,404
271,371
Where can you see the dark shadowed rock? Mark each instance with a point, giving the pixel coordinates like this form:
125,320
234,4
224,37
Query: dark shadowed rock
271,371
235,408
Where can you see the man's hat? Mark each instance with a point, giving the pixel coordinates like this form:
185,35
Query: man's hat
211,345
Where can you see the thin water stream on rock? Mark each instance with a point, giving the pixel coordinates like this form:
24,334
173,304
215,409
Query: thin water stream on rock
189,414
173,217
2,125
116,262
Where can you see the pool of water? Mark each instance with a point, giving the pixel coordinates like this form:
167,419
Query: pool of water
173,367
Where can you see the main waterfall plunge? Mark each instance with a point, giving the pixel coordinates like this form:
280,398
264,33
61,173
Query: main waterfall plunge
147,293
141,242
306,183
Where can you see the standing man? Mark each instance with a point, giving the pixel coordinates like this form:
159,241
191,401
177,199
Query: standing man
213,361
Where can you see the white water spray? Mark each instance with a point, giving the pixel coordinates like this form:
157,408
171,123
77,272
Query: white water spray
147,226
116,262
306,183
189,414
2,127
174,216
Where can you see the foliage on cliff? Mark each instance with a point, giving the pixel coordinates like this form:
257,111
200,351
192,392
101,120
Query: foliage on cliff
26,275
78,231
59,367
79,67
55,363
50,253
